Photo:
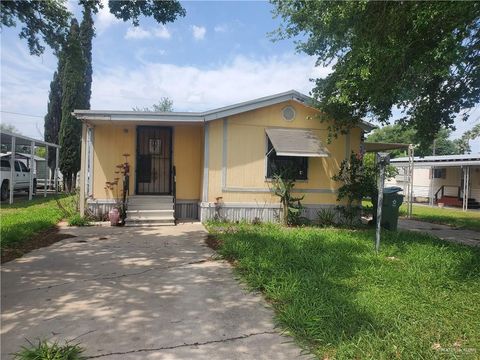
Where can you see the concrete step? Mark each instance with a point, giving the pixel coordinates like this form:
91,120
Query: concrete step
151,206
150,214
149,222
144,199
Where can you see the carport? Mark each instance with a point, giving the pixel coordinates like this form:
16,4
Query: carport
14,140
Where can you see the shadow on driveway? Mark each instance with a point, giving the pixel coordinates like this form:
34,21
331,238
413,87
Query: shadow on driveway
136,293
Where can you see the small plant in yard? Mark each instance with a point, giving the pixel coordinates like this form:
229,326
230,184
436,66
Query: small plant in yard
50,351
325,217
78,220
291,207
114,187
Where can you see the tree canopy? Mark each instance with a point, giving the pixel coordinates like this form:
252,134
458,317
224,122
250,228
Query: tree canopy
408,135
45,20
48,20
422,57
164,105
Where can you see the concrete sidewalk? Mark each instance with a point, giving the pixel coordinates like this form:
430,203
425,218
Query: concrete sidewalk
444,232
136,293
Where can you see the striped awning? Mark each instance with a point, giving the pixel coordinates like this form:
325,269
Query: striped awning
296,142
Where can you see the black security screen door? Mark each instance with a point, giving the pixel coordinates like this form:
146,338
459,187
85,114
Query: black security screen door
154,158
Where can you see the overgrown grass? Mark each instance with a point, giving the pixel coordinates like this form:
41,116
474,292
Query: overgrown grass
22,220
446,216
417,299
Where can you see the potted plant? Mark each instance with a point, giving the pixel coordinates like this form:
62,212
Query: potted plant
118,213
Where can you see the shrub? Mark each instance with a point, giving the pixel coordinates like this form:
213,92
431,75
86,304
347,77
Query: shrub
45,351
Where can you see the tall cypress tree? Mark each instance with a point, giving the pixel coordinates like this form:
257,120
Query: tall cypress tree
54,115
87,32
73,97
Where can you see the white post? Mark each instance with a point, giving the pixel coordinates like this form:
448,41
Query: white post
12,169
382,161
46,172
411,165
466,188
32,160
83,162
55,180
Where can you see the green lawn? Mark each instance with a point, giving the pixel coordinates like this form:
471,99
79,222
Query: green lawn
21,220
447,216
417,299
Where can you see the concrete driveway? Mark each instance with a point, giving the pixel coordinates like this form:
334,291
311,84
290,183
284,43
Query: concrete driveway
136,293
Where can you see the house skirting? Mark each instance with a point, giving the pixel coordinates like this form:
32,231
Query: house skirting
184,209
204,211
252,211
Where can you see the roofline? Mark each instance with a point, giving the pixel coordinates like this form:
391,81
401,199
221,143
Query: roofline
442,160
8,133
205,116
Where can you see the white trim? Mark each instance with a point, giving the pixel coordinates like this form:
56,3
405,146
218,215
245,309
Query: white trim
206,154
224,153
266,190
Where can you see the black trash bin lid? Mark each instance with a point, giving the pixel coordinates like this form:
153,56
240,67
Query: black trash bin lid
392,190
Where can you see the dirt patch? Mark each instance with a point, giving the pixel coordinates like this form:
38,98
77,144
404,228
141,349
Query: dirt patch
213,242
42,239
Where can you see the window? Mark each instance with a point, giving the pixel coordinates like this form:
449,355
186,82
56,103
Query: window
6,164
17,166
23,167
439,173
277,164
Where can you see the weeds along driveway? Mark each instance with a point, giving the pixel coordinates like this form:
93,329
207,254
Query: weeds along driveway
136,293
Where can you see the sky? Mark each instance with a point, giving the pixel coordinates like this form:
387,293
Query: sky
219,54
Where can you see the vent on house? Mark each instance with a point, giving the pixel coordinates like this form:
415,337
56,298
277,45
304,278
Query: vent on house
288,113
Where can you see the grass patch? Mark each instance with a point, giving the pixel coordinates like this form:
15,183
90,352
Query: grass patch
417,299
446,216
50,351
24,219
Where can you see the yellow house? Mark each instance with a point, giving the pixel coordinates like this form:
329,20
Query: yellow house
198,165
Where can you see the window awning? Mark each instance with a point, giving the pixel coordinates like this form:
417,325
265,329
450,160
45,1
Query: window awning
296,142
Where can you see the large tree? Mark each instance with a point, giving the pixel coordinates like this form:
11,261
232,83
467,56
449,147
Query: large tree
54,115
73,97
422,56
87,32
45,20
463,143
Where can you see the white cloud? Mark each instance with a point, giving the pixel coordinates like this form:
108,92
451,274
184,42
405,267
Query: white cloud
199,32
137,32
105,18
220,28
162,32
196,89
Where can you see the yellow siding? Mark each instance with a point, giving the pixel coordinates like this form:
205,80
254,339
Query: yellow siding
113,140
110,143
188,160
246,148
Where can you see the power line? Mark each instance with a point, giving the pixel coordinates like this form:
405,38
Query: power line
22,114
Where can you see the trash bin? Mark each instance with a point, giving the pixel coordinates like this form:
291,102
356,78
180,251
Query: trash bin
391,203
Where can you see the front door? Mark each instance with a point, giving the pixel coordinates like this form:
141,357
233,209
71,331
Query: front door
154,158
